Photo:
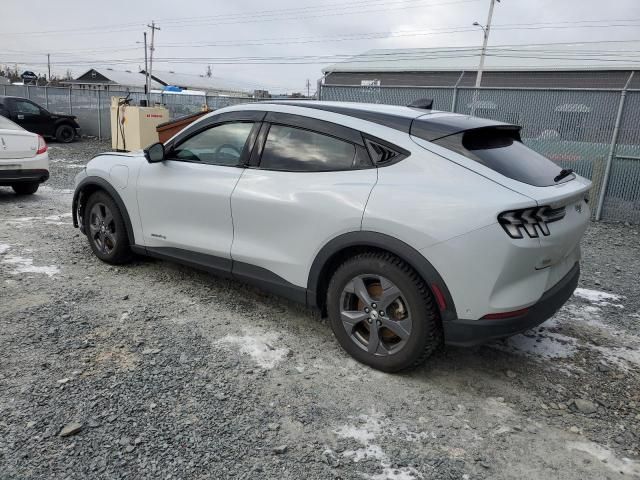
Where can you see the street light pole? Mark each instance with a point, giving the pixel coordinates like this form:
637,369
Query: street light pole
485,29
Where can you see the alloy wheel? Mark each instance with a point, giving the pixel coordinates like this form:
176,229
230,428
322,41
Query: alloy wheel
375,314
102,228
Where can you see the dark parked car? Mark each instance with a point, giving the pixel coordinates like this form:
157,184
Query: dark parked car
34,118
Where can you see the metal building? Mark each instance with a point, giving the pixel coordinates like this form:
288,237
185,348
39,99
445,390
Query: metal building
559,65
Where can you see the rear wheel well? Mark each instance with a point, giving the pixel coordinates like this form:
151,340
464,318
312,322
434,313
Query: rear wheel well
340,257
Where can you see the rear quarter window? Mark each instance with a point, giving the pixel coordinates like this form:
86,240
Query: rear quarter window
502,151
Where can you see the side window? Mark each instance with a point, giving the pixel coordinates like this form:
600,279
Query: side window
219,145
297,150
27,107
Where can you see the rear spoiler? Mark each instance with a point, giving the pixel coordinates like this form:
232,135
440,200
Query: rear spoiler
422,103
434,127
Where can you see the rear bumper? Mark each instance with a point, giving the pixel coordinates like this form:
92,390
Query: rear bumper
11,177
474,332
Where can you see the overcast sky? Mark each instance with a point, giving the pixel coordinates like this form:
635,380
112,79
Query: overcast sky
80,34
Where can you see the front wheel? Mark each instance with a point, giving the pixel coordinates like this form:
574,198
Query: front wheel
382,312
106,230
65,133
27,188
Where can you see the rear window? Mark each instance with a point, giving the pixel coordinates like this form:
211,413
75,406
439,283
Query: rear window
7,124
502,151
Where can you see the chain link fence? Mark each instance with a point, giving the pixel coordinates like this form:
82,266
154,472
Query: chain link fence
92,107
596,132
582,129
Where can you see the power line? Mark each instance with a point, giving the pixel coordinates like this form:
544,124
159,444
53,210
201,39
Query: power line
250,18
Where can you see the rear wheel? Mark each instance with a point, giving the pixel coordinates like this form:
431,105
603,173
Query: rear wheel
27,188
65,133
382,313
106,230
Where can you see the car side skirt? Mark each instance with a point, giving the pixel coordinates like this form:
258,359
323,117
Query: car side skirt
227,268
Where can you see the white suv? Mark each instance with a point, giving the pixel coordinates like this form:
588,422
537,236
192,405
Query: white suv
407,227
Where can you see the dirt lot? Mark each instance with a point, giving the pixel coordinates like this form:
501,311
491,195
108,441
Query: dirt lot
160,371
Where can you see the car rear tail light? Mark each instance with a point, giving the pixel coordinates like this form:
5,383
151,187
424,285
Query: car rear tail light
505,315
42,145
530,220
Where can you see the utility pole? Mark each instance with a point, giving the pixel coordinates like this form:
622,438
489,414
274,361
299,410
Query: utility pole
486,29
308,88
49,65
146,72
152,48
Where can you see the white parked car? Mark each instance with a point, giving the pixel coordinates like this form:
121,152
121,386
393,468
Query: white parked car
24,161
407,227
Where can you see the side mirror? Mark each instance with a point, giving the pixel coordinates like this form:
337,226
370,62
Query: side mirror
154,153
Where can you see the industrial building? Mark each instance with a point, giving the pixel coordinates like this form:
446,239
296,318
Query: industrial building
561,65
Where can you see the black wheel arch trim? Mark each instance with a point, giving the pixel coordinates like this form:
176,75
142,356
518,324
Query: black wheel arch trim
102,184
385,242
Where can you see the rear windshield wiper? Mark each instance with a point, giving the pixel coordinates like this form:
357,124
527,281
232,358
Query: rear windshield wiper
565,172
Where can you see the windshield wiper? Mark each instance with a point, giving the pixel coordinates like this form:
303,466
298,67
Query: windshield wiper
565,172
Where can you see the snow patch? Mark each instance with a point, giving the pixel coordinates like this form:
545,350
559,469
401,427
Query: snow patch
625,466
622,357
72,165
597,297
25,265
365,432
4,248
48,220
259,347
547,345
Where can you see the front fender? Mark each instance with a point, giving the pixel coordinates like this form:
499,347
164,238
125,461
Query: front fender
90,184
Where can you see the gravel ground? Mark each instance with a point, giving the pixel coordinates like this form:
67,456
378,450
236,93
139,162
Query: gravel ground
154,370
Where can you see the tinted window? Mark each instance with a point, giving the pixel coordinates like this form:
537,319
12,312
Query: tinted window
219,145
500,151
27,107
298,150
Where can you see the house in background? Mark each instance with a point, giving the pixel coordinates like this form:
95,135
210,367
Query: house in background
108,79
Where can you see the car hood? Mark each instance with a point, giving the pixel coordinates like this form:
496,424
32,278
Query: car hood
59,116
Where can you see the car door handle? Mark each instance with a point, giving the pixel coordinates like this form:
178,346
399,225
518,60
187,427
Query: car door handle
20,117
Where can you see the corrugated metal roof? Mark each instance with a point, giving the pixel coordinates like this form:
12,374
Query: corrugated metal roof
197,82
126,78
541,57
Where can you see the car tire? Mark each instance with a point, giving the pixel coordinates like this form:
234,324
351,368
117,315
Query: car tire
65,133
393,334
27,188
106,230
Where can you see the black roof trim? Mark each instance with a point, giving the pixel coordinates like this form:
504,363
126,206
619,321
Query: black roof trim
397,122
428,126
